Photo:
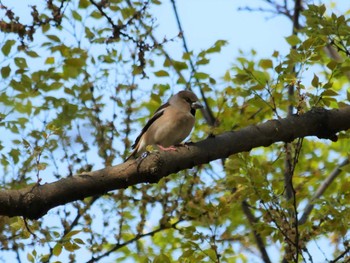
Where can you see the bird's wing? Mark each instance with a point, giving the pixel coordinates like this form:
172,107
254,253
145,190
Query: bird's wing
159,112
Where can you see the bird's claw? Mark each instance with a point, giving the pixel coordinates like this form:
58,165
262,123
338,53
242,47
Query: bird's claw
170,148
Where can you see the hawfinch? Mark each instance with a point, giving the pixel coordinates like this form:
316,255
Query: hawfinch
170,124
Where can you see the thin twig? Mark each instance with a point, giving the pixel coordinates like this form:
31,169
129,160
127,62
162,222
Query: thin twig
341,255
321,189
206,111
289,162
138,237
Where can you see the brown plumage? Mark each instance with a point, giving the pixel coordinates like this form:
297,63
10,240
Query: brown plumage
170,124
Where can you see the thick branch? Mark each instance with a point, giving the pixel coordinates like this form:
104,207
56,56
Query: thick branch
33,202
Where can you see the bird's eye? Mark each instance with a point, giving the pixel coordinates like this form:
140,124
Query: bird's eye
188,100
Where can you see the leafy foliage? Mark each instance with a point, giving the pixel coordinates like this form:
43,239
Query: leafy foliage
74,80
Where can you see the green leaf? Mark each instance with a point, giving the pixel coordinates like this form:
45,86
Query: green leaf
69,91
161,259
14,153
2,117
203,61
26,143
293,40
69,246
21,63
4,160
201,75
5,72
275,54
45,258
227,76
72,233
30,257
329,93
295,56
75,62
242,78
217,46
181,80
210,253
332,65
57,249
32,54
89,33
6,49
257,87
161,73
261,77
315,81
50,60
180,65
54,38
187,55
266,63
79,241
328,101
83,4
24,107
76,15
16,85
96,14
55,85
322,9
41,166
328,85
45,27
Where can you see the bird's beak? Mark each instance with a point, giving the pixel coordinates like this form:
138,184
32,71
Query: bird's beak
196,105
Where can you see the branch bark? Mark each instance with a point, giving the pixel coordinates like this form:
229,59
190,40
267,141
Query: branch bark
35,201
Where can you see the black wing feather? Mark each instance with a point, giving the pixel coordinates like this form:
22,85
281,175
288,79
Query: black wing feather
159,112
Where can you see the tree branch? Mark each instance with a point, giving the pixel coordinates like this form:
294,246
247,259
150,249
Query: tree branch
258,239
321,189
134,239
206,111
341,255
35,201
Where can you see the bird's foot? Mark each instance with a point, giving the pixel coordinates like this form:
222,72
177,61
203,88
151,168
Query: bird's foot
170,148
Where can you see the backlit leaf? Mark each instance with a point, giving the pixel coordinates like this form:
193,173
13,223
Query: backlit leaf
293,40
5,71
6,48
21,63
315,81
161,73
57,249
266,63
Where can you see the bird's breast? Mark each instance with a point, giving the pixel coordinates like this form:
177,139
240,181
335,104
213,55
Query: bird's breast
174,130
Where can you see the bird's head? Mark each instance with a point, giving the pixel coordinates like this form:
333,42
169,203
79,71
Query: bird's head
186,99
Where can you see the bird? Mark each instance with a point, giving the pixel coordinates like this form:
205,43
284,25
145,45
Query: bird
170,124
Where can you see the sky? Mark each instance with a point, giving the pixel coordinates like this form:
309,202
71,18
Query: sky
205,21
